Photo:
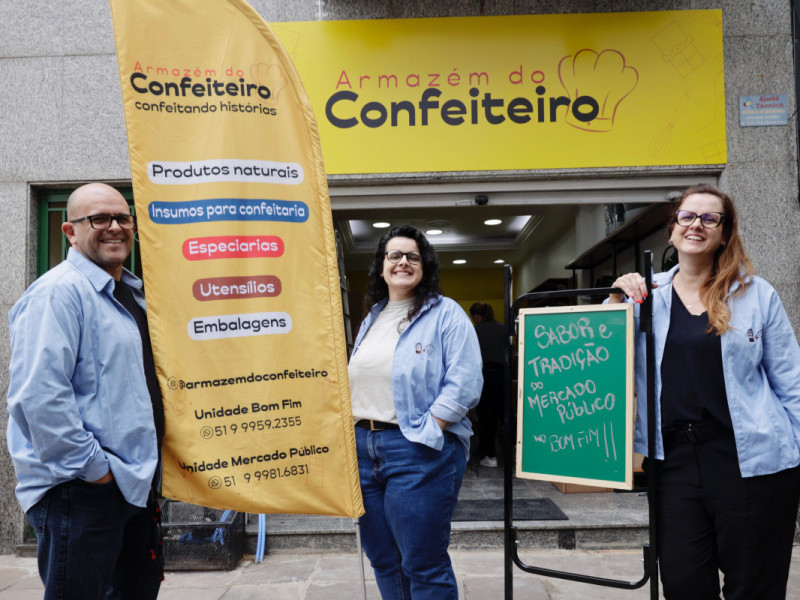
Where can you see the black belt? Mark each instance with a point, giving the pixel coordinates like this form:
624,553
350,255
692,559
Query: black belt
376,425
693,433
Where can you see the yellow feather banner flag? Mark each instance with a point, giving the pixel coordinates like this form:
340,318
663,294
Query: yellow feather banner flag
239,259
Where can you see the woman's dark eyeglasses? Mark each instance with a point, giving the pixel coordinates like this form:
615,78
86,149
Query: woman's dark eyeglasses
103,221
414,258
686,218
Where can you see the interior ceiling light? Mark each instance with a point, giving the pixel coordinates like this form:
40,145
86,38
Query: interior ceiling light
499,261
381,225
459,261
492,222
434,232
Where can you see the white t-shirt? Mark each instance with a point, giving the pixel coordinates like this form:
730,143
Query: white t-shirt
370,368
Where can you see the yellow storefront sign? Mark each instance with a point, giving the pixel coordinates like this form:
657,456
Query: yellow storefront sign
516,92
239,261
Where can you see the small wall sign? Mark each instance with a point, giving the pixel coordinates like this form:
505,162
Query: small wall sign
763,110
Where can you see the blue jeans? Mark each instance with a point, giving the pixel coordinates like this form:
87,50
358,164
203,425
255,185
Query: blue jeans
94,545
410,492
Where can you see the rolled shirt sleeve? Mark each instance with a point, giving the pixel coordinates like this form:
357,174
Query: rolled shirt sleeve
781,358
45,336
463,378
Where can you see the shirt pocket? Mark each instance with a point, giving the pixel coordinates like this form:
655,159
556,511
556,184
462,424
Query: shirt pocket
746,350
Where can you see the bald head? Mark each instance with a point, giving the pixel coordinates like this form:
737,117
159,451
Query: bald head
81,197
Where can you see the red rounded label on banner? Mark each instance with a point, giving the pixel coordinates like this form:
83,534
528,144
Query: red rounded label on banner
230,288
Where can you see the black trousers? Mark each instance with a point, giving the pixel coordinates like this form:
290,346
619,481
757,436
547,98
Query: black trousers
712,519
490,408
94,545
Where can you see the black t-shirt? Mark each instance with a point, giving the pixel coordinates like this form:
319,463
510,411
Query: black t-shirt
124,295
492,340
692,378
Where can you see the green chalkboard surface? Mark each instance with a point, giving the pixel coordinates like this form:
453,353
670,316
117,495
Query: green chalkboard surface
575,395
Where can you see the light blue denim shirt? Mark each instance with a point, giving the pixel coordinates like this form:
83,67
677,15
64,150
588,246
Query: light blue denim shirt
77,397
436,371
761,363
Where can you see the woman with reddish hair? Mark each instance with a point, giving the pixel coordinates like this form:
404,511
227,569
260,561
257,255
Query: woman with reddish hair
727,392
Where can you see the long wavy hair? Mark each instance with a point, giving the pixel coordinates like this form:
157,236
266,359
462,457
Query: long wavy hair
428,286
731,263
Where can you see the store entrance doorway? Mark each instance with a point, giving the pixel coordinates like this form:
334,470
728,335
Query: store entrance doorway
539,227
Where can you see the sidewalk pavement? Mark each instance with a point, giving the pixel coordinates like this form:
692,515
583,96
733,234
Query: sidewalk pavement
336,576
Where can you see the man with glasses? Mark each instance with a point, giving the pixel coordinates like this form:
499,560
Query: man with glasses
85,411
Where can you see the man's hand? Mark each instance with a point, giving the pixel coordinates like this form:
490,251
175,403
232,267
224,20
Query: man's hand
441,423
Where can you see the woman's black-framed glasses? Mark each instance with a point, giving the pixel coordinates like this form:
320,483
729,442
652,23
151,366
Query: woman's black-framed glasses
686,218
413,258
103,221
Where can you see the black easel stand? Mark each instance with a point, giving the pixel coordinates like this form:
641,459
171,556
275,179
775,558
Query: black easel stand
510,538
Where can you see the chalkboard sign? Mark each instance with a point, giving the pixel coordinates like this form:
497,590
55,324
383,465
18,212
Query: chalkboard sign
575,395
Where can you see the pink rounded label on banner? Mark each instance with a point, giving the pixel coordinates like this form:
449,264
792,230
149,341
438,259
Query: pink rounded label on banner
233,246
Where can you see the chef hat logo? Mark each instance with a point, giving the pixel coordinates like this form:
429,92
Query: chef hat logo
271,76
596,82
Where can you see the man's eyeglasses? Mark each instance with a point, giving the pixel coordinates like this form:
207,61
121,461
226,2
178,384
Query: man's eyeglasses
103,221
686,218
414,258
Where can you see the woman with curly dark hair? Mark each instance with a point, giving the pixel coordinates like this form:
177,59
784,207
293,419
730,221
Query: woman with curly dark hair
414,373
727,391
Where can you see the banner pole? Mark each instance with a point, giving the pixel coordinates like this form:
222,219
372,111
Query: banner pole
508,443
646,323
361,555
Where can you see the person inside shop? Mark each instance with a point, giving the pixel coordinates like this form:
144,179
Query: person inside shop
85,412
493,340
414,373
727,391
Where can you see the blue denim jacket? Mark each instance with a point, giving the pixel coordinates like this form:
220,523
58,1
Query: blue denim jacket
437,370
77,398
761,363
